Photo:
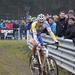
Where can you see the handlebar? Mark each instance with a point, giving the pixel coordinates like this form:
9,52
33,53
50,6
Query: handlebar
51,44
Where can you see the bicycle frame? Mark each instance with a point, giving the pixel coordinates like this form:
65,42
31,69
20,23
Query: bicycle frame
38,54
43,67
45,57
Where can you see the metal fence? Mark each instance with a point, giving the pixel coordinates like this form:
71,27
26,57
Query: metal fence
65,55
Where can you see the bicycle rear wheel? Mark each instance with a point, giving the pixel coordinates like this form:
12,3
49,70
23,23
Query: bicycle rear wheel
52,68
34,67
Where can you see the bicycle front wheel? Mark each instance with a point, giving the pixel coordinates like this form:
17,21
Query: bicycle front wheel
52,66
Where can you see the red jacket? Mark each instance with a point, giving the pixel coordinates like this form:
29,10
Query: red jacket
9,25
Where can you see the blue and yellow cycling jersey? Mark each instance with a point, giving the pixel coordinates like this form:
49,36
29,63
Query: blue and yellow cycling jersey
36,30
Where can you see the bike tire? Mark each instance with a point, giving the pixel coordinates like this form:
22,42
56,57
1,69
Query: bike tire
53,66
34,70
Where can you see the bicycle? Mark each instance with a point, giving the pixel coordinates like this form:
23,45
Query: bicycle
49,65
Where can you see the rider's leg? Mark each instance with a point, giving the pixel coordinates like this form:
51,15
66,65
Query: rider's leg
34,45
41,51
33,42
42,55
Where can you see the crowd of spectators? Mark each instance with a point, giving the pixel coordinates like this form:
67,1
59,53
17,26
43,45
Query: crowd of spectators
18,27
62,25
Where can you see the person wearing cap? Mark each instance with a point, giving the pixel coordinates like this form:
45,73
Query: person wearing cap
55,17
70,32
70,14
34,19
28,25
22,29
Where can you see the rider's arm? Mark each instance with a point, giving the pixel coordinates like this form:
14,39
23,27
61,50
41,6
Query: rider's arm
52,35
33,29
50,32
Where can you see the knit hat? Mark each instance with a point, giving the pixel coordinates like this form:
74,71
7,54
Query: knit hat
71,12
72,19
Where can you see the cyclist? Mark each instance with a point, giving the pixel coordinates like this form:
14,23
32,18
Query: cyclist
35,34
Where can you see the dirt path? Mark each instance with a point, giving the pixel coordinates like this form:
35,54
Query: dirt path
10,65
12,59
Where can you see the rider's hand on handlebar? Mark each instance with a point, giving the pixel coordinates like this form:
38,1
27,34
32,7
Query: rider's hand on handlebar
57,43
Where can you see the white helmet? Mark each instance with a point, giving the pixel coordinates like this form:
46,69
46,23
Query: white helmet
41,18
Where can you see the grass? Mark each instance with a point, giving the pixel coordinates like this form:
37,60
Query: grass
17,49
14,57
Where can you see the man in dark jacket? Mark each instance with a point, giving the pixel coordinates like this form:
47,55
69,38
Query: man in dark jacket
61,24
15,32
70,32
22,29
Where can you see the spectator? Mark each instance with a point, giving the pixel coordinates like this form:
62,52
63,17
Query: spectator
4,24
1,23
22,29
70,32
66,16
55,17
47,18
12,22
70,14
9,25
15,32
52,24
61,25
28,25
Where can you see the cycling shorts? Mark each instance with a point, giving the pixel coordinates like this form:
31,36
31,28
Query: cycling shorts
39,37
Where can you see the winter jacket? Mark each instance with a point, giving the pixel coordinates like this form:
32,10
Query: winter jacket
61,27
53,27
70,32
9,25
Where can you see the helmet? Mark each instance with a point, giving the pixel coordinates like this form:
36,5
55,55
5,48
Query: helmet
41,18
